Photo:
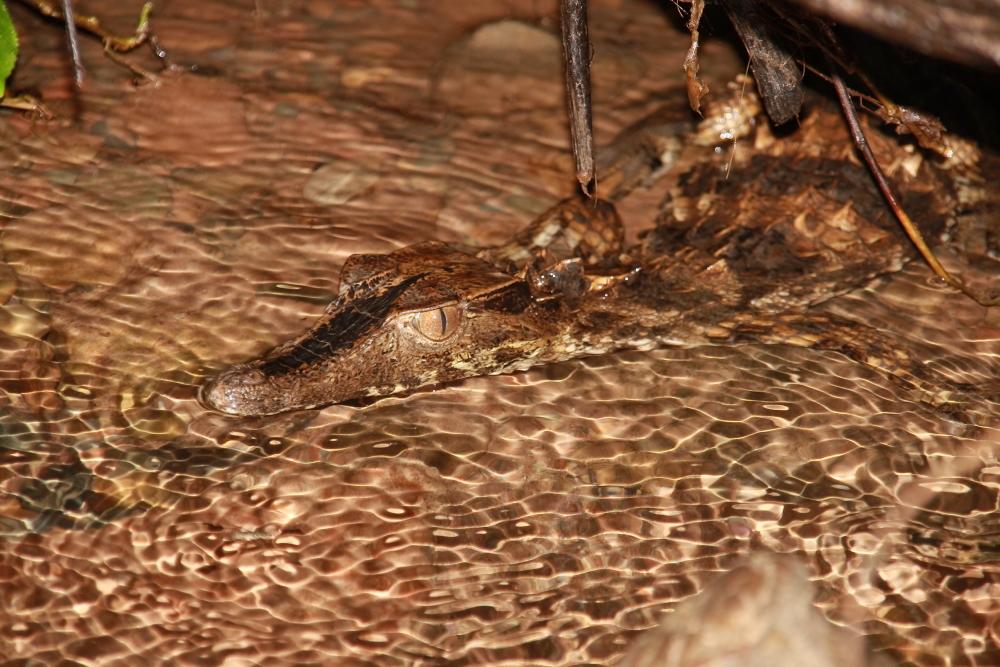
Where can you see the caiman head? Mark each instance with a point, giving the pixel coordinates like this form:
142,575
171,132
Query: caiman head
422,315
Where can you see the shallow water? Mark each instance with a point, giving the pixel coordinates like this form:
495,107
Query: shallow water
545,517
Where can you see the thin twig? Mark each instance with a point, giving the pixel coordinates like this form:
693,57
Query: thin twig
861,141
74,43
858,135
743,90
829,79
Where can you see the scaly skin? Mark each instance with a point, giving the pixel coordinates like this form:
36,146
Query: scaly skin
735,256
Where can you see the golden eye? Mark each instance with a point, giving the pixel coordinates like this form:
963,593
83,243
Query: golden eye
438,324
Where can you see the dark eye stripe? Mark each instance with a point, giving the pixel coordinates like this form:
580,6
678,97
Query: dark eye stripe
512,298
339,330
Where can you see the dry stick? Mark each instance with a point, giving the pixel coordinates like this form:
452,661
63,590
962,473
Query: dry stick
858,135
576,51
774,68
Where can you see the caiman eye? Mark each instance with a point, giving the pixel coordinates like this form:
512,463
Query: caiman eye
438,324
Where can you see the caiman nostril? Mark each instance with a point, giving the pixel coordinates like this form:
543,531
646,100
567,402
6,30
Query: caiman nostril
228,391
213,395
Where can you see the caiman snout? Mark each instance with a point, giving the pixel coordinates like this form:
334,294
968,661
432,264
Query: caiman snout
248,390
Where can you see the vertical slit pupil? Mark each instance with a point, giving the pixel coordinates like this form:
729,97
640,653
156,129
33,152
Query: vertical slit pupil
444,321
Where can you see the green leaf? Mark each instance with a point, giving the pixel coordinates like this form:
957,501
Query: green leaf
8,47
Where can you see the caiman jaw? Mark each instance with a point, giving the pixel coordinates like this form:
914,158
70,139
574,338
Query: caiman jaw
246,390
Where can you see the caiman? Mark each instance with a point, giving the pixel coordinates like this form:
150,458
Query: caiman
745,243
